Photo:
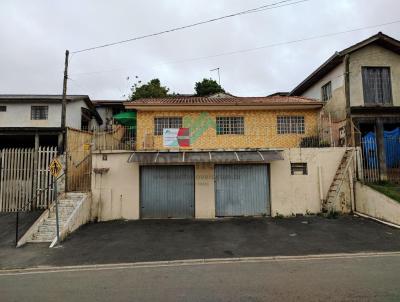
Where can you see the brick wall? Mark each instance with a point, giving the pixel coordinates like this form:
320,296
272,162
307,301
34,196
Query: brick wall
260,129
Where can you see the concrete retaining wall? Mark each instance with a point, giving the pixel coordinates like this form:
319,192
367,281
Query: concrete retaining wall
376,204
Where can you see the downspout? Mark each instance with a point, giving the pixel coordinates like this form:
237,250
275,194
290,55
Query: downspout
321,190
347,97
349,127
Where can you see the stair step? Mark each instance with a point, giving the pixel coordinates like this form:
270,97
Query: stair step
60,214
43,237
46,231
53,221
40,240
46,228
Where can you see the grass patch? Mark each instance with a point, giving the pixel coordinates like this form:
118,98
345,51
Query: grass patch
389,189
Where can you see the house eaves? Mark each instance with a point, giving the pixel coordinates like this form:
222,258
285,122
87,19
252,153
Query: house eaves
335,60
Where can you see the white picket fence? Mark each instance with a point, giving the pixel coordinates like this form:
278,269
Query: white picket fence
25,179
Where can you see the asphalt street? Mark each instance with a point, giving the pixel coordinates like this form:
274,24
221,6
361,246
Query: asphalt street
166,240
349,278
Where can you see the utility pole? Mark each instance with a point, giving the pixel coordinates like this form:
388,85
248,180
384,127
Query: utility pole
219,77
63,145
64,104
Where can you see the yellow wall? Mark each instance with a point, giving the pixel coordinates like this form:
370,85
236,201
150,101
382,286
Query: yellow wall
259,127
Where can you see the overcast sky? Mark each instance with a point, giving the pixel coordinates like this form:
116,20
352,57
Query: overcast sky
35,34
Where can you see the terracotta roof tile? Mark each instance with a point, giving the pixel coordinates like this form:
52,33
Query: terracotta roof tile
230,101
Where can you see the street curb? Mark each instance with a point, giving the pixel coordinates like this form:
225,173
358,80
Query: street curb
188,262
393,225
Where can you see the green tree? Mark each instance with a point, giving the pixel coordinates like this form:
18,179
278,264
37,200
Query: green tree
152,89
207,87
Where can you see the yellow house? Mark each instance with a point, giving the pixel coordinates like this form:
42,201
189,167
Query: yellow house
226,123
205,158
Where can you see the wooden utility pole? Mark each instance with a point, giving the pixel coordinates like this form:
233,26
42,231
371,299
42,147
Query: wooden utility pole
64,105
63,145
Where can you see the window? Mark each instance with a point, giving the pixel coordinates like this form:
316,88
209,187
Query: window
290,124
166,122
298,168
326,92
3,108
230,125
377,85
39,112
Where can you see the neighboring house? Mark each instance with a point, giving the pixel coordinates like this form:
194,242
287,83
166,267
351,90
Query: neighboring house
107,109
26,120
216,157
360,87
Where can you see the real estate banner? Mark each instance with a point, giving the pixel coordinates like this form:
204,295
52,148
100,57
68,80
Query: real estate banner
176,137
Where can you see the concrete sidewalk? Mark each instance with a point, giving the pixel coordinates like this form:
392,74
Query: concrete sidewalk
157,240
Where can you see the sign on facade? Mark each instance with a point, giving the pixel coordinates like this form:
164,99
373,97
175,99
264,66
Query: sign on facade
176,137
55,167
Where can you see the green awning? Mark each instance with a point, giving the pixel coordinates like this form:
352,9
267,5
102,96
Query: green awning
126,118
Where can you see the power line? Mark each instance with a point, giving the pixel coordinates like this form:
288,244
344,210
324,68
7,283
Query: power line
249,11
281,43
255,48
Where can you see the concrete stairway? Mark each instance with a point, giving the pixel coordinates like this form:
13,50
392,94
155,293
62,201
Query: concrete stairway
329,204
46,230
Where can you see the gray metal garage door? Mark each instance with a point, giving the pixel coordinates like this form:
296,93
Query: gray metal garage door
242,190
167,191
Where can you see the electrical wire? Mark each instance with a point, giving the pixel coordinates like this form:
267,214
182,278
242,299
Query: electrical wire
252,49
249,11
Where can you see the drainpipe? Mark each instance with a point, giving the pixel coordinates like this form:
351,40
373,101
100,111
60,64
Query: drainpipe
321,189
348,103
380,142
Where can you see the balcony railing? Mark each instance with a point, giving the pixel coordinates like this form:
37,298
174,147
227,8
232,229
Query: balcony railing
116,137
126,138
269,137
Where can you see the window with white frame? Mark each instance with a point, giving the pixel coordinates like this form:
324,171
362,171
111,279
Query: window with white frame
290,125
230,125
326,92
3,108
39,112
166,122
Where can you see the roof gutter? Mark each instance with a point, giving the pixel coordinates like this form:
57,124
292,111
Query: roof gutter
207,107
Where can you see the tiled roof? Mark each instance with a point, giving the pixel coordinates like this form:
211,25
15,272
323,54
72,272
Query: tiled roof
231,101
47,97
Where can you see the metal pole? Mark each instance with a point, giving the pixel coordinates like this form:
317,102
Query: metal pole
219,76
16,229
57,218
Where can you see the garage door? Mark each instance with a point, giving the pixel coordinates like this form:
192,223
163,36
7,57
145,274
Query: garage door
167,191
242,190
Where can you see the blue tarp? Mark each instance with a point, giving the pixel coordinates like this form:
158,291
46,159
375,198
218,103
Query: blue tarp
392,148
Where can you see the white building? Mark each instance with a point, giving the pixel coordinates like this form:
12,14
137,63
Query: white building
26,118
107,109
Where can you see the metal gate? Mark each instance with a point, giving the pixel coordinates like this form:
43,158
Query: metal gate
167,191
25,179
242,190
